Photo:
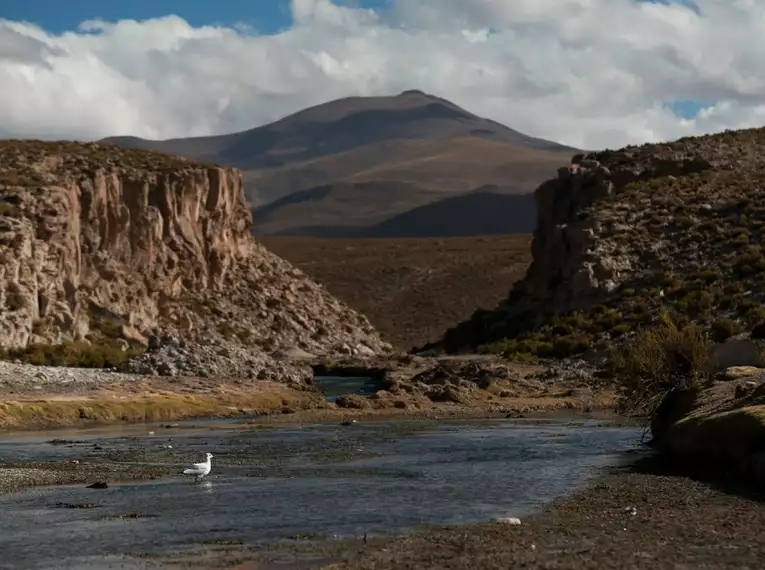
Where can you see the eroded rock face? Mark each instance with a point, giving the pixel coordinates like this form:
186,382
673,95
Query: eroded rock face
574,262
97,240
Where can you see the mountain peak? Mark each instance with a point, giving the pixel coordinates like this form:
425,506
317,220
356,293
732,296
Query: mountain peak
414,92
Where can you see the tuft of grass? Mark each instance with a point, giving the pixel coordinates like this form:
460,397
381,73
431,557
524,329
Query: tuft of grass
660,359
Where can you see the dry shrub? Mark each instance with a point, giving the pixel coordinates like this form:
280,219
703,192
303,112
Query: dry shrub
658,360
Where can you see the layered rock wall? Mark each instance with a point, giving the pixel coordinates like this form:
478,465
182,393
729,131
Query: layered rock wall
96,240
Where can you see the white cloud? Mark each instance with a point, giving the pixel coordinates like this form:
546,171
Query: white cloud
590,73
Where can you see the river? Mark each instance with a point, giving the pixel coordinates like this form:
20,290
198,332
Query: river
291,482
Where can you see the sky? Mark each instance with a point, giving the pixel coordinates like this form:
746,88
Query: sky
587,73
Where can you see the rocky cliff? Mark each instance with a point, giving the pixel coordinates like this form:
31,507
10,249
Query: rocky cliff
621,234
101,241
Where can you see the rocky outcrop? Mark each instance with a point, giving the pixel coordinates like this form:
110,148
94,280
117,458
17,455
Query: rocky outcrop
723,424
572,264
98,241
626,232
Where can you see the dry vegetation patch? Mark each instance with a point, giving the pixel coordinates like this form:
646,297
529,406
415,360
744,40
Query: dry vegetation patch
30,163
411,289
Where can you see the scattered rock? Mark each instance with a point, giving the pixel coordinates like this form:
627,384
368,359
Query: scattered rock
77,505
353,401
738,372
169,355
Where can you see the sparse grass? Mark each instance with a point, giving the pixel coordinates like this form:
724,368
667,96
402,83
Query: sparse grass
47,413
74,354
411,289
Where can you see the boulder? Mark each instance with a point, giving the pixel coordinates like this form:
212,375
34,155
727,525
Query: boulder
738,372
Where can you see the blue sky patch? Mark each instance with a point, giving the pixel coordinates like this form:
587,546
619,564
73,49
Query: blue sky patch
264,16
687,108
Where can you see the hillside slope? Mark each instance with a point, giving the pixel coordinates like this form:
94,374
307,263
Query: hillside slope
416,141
622,234
483,212
411,290
98,241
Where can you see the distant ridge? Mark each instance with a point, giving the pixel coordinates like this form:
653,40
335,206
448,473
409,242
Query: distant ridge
413,149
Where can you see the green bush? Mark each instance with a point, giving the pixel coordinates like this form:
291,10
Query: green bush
620,330
696,302
571,345
758,331
755,315
745,304
722,329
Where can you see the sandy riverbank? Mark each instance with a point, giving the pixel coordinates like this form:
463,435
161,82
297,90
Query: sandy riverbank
150,400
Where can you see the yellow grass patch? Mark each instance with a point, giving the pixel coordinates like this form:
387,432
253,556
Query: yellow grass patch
57,412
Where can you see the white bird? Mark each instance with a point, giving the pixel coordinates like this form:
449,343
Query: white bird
200,469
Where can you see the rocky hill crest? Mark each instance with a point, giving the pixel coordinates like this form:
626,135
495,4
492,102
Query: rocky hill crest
345,166
622,234
99,241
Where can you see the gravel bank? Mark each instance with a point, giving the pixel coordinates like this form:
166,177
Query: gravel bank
17,377
36,473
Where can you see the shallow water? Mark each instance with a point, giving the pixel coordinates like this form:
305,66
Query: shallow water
290,482
335,386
